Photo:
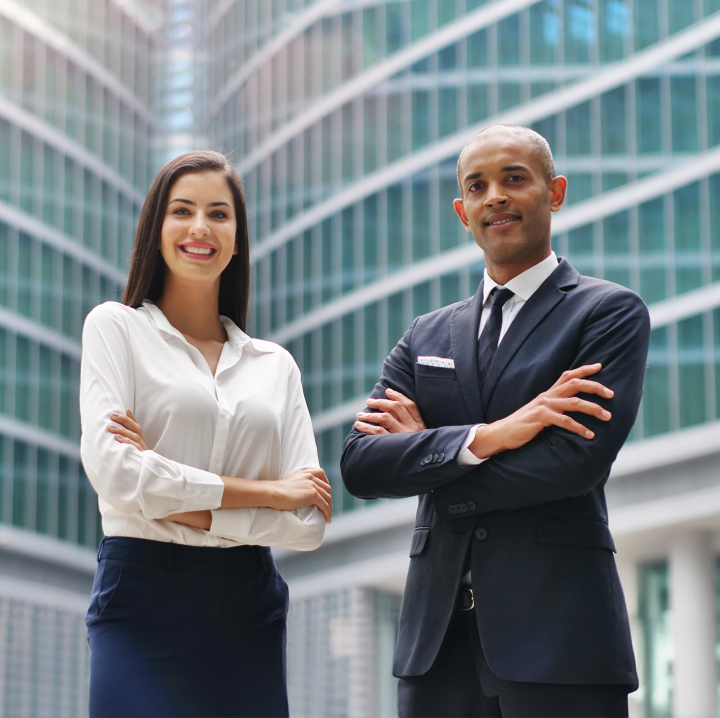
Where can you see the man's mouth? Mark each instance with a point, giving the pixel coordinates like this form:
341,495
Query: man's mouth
500,221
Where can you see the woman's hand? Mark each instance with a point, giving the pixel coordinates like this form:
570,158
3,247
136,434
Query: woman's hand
547,409
127,430
307,487
196,519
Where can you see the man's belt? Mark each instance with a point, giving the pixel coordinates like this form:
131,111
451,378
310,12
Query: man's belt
465,599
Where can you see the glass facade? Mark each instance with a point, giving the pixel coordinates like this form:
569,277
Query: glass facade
345,120
77,122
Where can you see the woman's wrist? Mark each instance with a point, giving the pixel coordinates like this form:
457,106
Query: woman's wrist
246,493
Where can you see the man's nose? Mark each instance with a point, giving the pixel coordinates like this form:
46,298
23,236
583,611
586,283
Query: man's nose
495,196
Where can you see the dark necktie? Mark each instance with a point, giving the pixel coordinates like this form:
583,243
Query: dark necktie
488,343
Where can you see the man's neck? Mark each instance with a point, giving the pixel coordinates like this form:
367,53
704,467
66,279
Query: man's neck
502,273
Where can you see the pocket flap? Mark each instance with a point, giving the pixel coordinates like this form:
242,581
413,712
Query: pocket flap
419,539
575,532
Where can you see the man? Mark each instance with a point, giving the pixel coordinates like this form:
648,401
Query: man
513,606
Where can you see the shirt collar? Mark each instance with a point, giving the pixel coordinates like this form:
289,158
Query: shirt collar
526,283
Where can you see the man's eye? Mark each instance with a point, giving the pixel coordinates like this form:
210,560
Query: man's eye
515,178
474,186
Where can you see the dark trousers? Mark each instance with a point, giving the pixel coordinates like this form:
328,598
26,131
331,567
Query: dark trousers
460,685
185,631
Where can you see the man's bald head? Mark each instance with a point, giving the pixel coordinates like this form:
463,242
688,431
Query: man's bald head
533,139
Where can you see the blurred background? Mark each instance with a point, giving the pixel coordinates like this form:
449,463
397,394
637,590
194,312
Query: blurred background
345,119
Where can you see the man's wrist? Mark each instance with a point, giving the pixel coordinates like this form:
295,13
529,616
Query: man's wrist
487,441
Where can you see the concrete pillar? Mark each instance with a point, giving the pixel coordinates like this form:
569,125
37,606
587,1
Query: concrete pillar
692,602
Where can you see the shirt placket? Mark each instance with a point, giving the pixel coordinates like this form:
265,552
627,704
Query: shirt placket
221,432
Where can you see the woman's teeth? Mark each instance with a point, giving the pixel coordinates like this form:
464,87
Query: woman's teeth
198,250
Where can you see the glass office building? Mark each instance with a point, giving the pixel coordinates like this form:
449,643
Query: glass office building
76,154
345,119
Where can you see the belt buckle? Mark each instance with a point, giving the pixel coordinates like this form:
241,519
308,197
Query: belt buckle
466,599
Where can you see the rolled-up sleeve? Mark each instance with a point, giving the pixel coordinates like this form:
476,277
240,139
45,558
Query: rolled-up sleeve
301,529
128,479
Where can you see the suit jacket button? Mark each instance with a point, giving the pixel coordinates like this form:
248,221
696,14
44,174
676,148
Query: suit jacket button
452,509
435,458
428,458
471,506
441,456
463,507
481,534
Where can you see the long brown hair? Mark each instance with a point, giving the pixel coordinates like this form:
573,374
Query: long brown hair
147,266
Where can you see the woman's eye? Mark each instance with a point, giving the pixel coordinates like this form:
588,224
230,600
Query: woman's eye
219,215
181,210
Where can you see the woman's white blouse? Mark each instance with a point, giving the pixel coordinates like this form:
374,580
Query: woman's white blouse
249,420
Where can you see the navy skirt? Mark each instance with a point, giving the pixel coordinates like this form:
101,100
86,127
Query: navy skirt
186,631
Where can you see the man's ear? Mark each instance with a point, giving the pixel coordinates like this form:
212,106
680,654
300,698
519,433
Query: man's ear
558,190
460,209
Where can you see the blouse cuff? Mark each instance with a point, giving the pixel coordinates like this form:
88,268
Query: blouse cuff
231,523
204,490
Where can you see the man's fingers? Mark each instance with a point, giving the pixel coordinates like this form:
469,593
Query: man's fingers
383,419
366,428
579,373
566,422
397,396
396,408
583,386
585,407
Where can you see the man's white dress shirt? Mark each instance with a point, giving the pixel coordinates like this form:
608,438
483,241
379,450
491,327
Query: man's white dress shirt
523,287
248,420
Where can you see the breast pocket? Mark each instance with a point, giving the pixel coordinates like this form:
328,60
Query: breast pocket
438,395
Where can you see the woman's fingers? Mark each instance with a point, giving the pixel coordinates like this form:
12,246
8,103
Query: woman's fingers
122,431
126,440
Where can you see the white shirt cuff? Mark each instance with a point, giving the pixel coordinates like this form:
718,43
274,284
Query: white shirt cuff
203,489
466,457
232,523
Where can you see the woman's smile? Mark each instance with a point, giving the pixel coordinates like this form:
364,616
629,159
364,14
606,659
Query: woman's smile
198,250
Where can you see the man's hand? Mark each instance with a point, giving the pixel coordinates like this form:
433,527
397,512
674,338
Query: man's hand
396,415
547,409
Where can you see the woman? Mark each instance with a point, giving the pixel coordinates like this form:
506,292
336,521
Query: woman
199,444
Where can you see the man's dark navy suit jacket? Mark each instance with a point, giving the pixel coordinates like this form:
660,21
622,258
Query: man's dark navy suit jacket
548,600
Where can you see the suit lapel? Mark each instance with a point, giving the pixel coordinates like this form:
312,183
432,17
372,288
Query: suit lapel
550,293
464,324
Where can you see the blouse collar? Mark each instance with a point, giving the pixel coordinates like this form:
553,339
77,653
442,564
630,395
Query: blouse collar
236,336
